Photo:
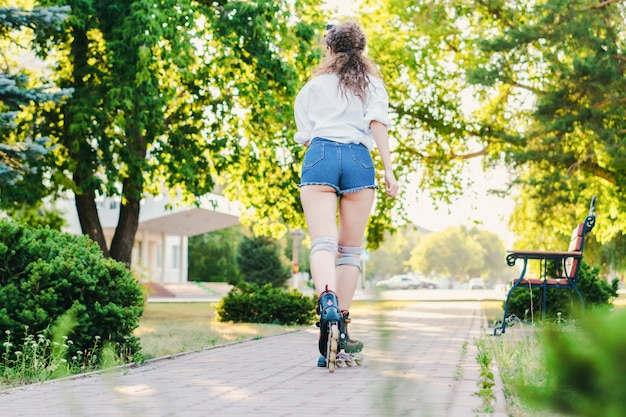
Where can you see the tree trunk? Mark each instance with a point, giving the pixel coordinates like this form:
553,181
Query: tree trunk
124,238
89,220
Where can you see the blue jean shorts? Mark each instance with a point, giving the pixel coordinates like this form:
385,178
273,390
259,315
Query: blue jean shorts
346,167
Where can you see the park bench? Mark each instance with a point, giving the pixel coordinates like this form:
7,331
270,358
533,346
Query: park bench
567,268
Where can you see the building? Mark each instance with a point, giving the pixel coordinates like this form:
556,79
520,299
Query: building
160,249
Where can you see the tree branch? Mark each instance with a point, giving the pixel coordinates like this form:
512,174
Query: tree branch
470,155
604,4
609,100
592,168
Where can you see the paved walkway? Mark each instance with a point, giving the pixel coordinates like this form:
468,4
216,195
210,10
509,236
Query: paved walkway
420,361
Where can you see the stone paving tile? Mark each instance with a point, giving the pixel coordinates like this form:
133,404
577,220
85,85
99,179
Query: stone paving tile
414,367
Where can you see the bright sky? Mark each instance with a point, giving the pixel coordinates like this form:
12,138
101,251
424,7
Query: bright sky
342,7
475,207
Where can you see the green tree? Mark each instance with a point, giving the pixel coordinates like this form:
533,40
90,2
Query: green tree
213,256
423,50
22,146
449,253
260,262
494,255
177,94
571,145
392,256
39,216
461,253
536,84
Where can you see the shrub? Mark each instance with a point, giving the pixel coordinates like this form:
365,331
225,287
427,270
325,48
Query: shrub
584,369
595,291
251,303
260,262
46,275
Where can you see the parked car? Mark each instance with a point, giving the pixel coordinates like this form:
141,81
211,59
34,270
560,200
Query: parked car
428,283
477,284
400,282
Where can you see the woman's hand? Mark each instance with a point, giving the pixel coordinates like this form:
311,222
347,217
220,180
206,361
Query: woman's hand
391,184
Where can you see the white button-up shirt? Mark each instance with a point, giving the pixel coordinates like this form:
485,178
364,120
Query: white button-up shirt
322,110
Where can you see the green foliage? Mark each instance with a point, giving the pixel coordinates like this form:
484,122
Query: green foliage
270,48
596,293
251,303
584,369
23,149
424,53
39,216
175,97
260,262
213,256
486,380
45,275
460,253
396,246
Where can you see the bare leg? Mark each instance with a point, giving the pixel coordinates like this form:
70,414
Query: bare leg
320,209
354,212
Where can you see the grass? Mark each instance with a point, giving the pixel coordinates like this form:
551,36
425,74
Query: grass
169,328
166,329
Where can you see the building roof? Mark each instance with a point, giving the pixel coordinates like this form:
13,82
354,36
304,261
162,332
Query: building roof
163,215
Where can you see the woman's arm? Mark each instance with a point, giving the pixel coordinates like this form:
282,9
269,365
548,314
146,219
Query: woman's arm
379,131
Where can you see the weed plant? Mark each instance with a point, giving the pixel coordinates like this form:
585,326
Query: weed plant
486,381
517,357
31,358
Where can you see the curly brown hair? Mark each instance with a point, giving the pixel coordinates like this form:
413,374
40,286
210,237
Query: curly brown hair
347,42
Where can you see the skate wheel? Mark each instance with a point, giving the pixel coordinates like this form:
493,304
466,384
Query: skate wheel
358,359
334,344
343,359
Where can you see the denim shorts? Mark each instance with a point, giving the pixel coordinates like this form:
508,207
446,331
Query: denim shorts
346,167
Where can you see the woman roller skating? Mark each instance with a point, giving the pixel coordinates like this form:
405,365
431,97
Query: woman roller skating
341,114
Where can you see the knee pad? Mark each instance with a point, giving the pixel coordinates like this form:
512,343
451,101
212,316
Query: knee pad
349,255
328,244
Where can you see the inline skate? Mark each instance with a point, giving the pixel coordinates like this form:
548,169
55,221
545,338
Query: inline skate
350,349
330,329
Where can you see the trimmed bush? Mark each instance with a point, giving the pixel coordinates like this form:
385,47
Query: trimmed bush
596,292
46,274
251,303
